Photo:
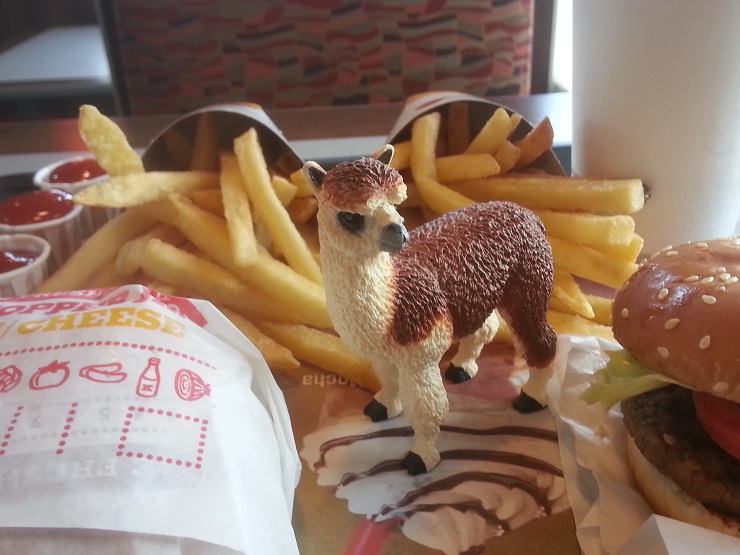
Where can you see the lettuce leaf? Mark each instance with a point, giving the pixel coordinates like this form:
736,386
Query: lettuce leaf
621,378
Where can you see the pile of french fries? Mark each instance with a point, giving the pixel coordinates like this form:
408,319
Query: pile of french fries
242,234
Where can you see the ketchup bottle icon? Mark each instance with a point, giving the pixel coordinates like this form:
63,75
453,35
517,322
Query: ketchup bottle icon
149,379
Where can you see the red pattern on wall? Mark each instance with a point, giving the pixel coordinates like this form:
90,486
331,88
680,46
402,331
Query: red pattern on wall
179,55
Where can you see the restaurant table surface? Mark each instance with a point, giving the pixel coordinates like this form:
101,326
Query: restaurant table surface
323,523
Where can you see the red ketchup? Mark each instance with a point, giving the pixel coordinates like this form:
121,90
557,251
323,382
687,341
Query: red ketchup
35,207
76,171
17,258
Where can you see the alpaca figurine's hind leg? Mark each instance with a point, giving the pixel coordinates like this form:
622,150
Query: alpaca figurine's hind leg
464,366
425,405
386,402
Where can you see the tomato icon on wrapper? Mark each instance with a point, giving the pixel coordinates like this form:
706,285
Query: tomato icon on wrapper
189,386
53,374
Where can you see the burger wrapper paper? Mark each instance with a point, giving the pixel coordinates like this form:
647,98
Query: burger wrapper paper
134,422
610,513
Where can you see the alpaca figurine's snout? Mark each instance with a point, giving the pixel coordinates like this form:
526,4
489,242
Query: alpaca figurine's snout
393,238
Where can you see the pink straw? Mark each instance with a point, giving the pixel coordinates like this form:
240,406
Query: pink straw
368,537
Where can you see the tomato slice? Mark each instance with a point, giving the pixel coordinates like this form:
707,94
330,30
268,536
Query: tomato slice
721,419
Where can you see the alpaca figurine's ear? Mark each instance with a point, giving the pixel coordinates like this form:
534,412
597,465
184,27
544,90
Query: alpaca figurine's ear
314,173
385,154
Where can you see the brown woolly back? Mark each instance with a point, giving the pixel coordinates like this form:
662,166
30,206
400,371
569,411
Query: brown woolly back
354,186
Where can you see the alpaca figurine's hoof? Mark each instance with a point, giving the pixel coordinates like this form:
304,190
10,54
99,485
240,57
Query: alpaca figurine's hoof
456,374
376,411
526,404
413,463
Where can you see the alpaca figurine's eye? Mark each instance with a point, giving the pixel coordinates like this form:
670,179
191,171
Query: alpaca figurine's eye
354,223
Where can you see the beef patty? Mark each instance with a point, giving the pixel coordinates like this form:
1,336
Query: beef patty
665,428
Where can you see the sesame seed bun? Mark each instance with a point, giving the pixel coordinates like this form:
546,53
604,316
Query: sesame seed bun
679,315
667,499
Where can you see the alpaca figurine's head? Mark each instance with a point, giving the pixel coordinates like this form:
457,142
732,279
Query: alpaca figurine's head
357,200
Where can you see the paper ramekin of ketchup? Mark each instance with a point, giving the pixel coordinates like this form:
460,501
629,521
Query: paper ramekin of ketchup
71,175
23,263
49,214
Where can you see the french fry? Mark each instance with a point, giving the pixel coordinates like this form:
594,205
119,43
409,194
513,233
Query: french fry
108,143
204,279
135,189
179,148
602,307
507,156
571,324
273,215
284,189
424,133
494,132
626,253
458,127
205,146
567,296
466,166
304,189
590,264
401,155
99,250
268,277
535,143
209,199
324,350
303,209
237,213
128,260
277,357
584,228
617,196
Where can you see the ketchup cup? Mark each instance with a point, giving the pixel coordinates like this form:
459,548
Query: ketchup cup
51,215
73,174
23,263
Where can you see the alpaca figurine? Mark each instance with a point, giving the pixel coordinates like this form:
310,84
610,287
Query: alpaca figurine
401,299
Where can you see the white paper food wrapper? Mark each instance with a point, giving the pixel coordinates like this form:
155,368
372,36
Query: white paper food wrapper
150,416
610,513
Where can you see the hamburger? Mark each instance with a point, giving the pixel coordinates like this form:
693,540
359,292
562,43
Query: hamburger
678,380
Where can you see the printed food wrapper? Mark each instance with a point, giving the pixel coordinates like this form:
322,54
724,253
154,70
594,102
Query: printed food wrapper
610,513
479,111
147,416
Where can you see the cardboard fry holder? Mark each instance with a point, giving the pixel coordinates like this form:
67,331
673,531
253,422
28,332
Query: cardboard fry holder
479,111
135,422
230,121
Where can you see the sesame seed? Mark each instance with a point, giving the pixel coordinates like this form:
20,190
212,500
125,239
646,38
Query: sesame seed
669,439
709,299
672,323
625,313
691,278
702,246
704,343
666,248
724,276
662,351
722,288
671,253
720,387
731,280
707,280
654,255
721,269
662,294
736,241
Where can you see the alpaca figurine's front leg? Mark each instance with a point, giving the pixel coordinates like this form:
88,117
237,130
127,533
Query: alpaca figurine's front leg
425,404
386,402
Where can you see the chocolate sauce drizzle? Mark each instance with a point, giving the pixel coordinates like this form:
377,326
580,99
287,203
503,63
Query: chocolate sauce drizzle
407,431
405,508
